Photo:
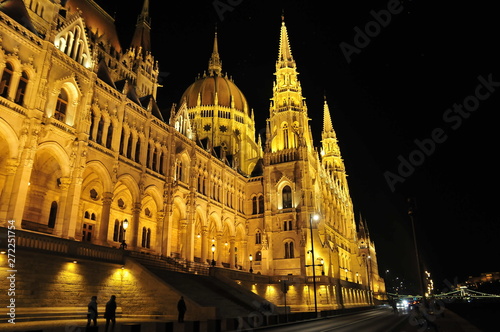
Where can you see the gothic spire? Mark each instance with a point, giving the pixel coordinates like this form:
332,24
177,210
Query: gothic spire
285,58
142,34
215,64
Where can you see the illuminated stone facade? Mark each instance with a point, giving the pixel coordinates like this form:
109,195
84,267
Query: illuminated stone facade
85,150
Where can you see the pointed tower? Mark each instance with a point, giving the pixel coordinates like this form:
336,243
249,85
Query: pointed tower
331,158
138,57
142,35
289,123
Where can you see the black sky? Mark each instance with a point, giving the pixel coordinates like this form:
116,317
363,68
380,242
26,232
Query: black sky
396,90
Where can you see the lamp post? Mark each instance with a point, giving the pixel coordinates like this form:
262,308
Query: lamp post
251,259
313,217
123,245
411,213
213,254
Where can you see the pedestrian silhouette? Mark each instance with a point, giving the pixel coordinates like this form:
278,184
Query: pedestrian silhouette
181,307
92,311
110,313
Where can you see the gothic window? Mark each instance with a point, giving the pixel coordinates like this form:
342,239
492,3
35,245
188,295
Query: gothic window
258,237
92,125
61,105
289,250
138,150
178,171
160,158
254,205
285,136
129,146
155,159
122,143
100,128
6,80
21,89
148,241
146,237
287,197
258,256
109,138
52,214
261,204
116,231
144,234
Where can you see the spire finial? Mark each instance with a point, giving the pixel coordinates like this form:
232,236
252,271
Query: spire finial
215,64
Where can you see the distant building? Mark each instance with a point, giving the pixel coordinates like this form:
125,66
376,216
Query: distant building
85,151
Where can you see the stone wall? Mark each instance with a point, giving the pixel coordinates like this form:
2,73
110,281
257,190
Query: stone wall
43,280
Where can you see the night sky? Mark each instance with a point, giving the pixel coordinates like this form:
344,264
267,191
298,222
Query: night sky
412,104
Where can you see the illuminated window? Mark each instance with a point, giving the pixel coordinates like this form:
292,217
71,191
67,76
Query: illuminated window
258,256
61,106
289,250
258,237
287,197
21,89
6,80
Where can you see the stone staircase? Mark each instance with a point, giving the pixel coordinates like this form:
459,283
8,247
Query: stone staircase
230,299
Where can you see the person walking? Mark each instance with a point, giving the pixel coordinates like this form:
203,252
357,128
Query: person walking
92,311
110,313
181,307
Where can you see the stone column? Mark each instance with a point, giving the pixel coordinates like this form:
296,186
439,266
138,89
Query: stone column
107,198
204,244
71,212
134,225
218,249
6,194
231,252
160,221
61,209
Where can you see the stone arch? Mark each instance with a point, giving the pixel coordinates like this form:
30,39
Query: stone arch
49,177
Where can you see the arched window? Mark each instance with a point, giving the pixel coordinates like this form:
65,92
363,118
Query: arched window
289,250
160,159
179,171
21,89
148,241
129,146
144,235
122,143
287,197
155,160
61,105
116,231
138,150
258,237
92,125
254,205
6,80
100,129
258,256
285,136
109,138
261,204
52,214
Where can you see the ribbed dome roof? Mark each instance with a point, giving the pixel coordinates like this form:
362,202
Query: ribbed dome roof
215,88
207,88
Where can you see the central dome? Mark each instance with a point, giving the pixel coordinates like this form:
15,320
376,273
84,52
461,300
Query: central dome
215,90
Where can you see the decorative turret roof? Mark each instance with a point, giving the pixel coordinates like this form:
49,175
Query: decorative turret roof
142,34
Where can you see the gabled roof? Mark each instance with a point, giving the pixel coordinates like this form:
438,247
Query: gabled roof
17,11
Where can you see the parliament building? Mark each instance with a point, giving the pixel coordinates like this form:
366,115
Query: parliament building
90,161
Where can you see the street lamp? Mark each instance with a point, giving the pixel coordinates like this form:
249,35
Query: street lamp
251,259
123,245
313,217
213,254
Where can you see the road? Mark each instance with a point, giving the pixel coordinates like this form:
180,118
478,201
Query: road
376,320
